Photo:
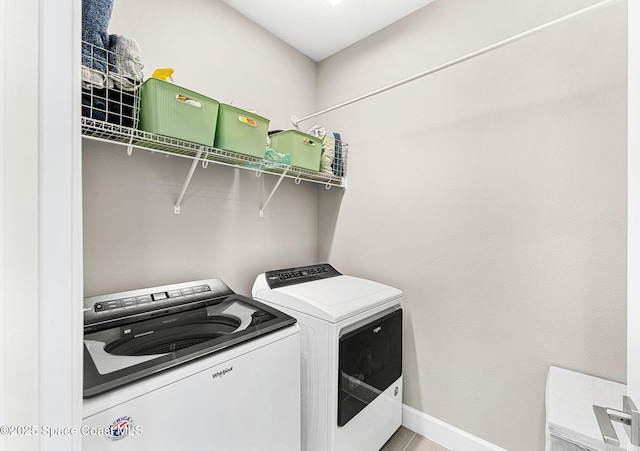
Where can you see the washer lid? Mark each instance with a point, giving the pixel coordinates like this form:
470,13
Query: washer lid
135,348
332,299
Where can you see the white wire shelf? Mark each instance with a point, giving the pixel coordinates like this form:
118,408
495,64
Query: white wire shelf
132,138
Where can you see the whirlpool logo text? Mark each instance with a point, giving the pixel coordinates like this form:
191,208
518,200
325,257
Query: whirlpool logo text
221,373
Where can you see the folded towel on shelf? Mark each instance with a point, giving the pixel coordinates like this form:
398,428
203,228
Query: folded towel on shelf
123,107
124,78
96,15
338,164
125,62
94,102
94,94
325,164
93,77
333,155
328,147
328,153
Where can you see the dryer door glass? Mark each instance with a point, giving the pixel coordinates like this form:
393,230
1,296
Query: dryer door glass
370,361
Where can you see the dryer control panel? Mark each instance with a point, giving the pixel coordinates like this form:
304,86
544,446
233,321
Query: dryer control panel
292,276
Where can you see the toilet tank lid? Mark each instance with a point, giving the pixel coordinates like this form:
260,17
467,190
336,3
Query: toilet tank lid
569,400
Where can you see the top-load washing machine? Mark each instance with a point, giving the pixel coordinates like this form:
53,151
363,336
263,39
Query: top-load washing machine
351,354
189,366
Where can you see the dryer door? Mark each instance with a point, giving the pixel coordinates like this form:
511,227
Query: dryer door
370,361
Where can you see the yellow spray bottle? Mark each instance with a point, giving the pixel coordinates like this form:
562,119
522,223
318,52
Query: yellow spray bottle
163,74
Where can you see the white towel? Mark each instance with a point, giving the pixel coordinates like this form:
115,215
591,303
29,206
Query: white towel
328,147
328,153
125,60
93,78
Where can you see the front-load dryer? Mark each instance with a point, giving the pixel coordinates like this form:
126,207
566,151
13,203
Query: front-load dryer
189,366
351,354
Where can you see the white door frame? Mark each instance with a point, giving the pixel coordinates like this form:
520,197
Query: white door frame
60,194
633,208
41,221
19,177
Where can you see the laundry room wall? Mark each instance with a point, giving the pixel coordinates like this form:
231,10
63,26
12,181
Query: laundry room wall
132,238
494,194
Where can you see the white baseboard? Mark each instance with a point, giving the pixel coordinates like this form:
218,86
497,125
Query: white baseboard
442,433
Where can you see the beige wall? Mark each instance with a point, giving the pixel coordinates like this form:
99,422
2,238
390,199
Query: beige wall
494,194
131,236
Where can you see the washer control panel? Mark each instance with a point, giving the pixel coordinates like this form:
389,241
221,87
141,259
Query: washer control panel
130,301
292,276
136,304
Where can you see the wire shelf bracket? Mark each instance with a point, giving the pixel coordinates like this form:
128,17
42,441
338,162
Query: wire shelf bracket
192,169
273,191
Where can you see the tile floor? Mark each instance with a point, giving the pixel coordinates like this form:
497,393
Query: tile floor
406,440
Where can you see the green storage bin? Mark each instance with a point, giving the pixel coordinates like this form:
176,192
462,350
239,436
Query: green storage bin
171,110
241,131
305,149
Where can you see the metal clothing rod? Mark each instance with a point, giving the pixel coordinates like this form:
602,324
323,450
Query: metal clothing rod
295,120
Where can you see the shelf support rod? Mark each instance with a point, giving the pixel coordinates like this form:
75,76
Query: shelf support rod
273,191
130,145
194,164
